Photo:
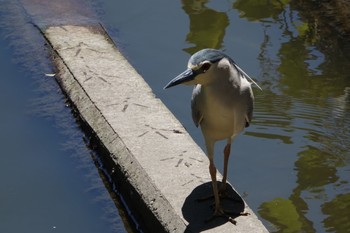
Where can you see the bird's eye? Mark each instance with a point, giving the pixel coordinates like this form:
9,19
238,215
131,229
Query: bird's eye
205,67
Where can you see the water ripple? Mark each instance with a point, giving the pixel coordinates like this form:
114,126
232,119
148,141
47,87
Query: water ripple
287,119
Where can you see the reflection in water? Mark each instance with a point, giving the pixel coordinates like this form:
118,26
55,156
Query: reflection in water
276,126
258,10
292,221
306,103
328,26
207,26
338,222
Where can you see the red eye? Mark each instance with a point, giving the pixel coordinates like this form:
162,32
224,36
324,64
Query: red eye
205,67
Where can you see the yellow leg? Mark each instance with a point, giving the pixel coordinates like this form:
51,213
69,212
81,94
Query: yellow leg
219,212
227,152
212,169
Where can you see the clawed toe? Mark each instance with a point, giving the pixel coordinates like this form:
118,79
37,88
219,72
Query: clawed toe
219,212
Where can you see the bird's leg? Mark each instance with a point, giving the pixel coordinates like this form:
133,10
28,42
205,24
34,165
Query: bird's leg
212,170
222,191
218,211
227,152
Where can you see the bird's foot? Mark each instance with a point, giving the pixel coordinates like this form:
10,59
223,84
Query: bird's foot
219,212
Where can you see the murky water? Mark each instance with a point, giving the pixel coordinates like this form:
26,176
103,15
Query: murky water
293,164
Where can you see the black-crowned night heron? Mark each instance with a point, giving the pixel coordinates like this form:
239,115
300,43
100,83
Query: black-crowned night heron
222,104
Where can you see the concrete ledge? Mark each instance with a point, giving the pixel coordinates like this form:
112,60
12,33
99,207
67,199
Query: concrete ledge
158,168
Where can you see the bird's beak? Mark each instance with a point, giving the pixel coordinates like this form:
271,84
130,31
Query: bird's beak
186,76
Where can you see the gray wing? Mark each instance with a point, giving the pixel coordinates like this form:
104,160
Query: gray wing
195,103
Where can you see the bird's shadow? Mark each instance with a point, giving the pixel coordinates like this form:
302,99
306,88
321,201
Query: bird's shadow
197,213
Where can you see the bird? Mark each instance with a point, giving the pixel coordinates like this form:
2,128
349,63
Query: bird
222,105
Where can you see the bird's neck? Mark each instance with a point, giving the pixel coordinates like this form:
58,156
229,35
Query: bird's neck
225,80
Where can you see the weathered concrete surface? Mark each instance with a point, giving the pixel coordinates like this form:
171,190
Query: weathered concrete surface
153,155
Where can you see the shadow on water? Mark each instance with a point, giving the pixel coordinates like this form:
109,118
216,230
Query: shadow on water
196,212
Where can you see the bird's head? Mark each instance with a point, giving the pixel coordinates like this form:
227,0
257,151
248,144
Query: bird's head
200,68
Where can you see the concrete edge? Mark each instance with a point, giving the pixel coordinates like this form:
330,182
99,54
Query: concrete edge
140,193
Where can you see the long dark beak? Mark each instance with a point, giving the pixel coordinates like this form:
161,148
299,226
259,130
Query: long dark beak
185,76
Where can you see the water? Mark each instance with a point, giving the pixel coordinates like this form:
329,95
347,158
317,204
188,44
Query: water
292,165
49,181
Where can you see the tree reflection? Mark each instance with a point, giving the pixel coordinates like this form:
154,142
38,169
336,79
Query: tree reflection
260,9
328,25
338,222
305,75
292,220
207,26
310,69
